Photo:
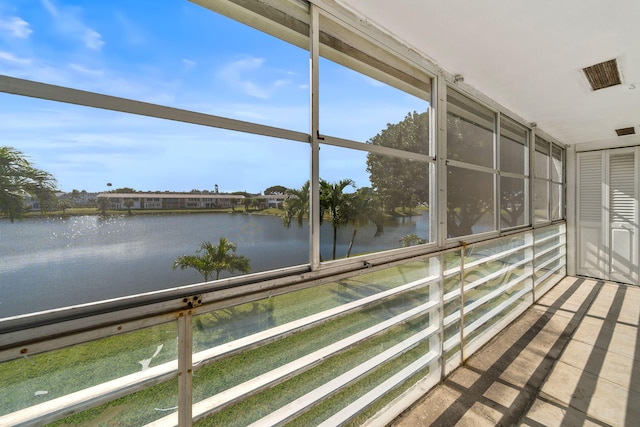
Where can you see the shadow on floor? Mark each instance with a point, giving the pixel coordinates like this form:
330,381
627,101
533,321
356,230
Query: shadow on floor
573,358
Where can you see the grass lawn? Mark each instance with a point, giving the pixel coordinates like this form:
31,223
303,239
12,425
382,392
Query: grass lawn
63,371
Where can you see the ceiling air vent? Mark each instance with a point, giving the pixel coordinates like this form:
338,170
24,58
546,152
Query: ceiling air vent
625,131
604,74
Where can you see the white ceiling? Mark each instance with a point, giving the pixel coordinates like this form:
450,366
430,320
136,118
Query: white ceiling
528,56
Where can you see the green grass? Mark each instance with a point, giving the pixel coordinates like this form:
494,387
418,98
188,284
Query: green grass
264,403
67,370
63,371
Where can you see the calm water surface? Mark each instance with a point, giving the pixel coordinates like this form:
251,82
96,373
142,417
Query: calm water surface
51,263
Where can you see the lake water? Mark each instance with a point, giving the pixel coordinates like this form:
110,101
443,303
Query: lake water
52,263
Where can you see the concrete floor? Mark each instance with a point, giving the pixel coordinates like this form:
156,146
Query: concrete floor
573,359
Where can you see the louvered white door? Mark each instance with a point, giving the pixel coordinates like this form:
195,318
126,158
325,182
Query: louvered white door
590,233
623,217
607,226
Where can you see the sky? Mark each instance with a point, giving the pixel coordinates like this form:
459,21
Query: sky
178,54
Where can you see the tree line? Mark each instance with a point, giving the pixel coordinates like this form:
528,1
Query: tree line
396,183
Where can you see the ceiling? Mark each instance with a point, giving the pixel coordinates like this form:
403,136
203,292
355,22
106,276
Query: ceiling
528,56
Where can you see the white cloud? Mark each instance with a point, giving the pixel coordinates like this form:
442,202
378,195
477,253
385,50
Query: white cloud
235,73
16,27
50,7
9,57
85,70
92,39
188,64
70,24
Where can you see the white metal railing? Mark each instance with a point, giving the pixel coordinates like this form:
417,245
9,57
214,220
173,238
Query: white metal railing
389,328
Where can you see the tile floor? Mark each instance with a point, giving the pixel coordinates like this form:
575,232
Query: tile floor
572,359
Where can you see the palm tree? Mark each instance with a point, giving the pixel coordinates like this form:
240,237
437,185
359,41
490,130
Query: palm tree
364,207
296,205
210,258
336,204
19,179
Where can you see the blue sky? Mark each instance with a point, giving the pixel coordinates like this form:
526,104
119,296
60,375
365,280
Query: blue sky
176,53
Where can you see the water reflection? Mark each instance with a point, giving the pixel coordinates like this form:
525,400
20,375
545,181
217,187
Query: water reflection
49,263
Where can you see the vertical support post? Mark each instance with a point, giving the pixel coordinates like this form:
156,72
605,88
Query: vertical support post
185,364
314,187
570,181
462,335
497,202
441,158
533,264
528,161
532,175
442,359
530,254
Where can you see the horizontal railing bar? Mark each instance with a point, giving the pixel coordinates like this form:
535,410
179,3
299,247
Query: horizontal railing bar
550,281
372,396
451,318
57,340
548,274
246,288
14,341
541,253
60,328
482,339
304,403
474,263
123,309
451,295
87,398
503,288
451,271
211,355
260,338
469,328
162,301
496,274
234,394
548,262
451,342
545,238
90,397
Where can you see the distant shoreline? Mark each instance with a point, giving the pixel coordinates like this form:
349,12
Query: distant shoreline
74,212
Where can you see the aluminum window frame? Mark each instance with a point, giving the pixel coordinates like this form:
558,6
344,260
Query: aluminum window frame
494,170
525,175
343,27
549,182
440,83
71,325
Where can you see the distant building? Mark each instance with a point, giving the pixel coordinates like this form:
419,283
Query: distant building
32,203
274,200
172,200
